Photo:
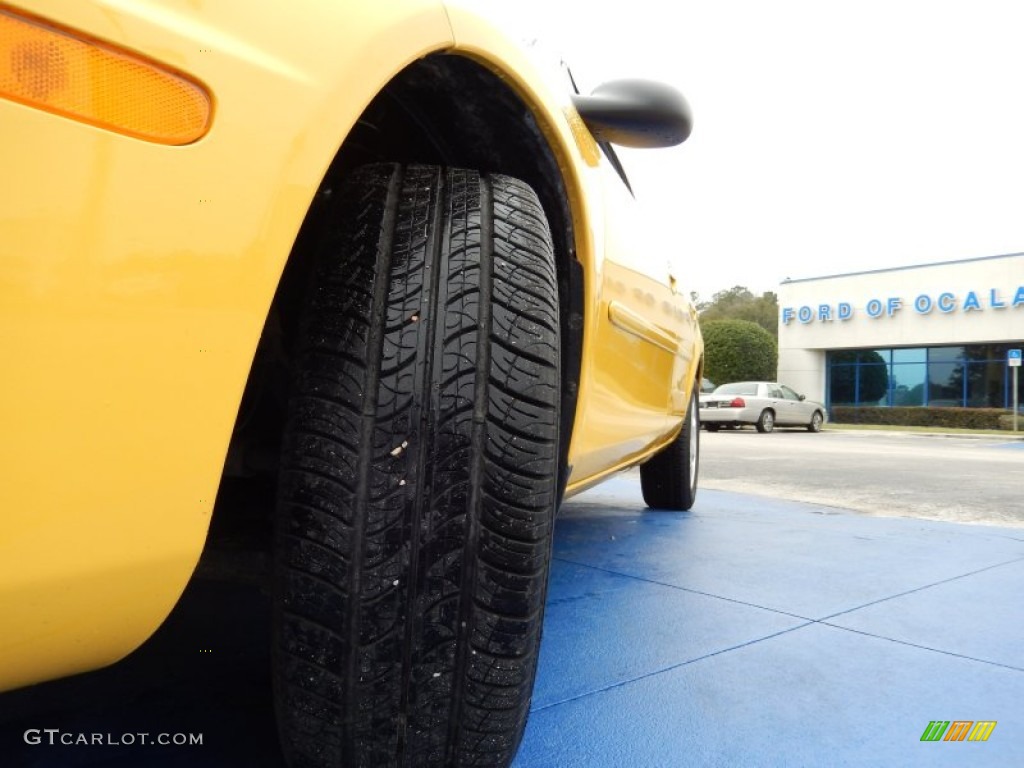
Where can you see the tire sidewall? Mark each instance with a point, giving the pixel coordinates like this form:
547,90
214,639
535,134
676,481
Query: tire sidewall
691,452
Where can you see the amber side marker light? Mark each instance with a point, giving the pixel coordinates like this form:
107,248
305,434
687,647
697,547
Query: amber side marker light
52,69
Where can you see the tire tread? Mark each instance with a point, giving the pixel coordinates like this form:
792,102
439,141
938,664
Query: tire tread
419,480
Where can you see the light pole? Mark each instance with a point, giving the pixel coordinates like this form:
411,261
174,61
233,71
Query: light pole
1013,360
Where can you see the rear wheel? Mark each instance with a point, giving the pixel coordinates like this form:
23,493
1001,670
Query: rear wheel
418,481
766,421
669,479
712,427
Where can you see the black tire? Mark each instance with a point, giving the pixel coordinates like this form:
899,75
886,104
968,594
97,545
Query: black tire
816,421
419,476
668,480
766,421
712,427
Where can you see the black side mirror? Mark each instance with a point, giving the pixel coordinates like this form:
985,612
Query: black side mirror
802,397
636,113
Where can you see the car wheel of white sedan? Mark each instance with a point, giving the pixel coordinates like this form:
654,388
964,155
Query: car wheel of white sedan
816,421
669,479
766,421
418,475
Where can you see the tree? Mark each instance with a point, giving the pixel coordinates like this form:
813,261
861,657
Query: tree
738,350
738,303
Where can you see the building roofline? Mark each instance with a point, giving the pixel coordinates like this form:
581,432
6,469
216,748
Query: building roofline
787,281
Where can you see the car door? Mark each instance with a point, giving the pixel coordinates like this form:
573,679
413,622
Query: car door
646,348
774,400
796,411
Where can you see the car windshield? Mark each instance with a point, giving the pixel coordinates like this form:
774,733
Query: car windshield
738,388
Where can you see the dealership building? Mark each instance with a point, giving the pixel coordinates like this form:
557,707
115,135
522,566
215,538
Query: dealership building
935,334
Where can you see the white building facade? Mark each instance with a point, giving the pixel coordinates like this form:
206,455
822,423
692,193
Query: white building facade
930,335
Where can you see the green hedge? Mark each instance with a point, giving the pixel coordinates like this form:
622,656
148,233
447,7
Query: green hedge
738,350
948,418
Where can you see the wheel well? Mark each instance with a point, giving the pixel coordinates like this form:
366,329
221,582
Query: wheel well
444,110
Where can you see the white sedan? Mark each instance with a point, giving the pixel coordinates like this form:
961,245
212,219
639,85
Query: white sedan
765,404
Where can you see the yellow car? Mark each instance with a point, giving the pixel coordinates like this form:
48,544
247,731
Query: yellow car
361,276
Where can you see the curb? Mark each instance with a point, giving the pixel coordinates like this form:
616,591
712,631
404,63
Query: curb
962,435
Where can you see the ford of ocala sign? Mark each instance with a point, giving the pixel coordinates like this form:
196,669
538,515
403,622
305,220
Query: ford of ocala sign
923,304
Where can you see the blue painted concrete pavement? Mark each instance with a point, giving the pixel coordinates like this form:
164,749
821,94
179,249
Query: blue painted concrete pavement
755,632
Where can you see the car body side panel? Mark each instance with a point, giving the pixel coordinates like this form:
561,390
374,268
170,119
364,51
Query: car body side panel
746,415
791,412
128,336
641,358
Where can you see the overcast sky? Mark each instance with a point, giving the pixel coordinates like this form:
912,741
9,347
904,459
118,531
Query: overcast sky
828,137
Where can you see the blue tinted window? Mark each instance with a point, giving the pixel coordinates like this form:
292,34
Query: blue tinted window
873,385
946,354
842,384
986,385
974,376
909,381
945,384
874,356
910,355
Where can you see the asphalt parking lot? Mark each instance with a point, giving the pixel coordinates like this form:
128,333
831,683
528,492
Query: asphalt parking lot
750,631
971,479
